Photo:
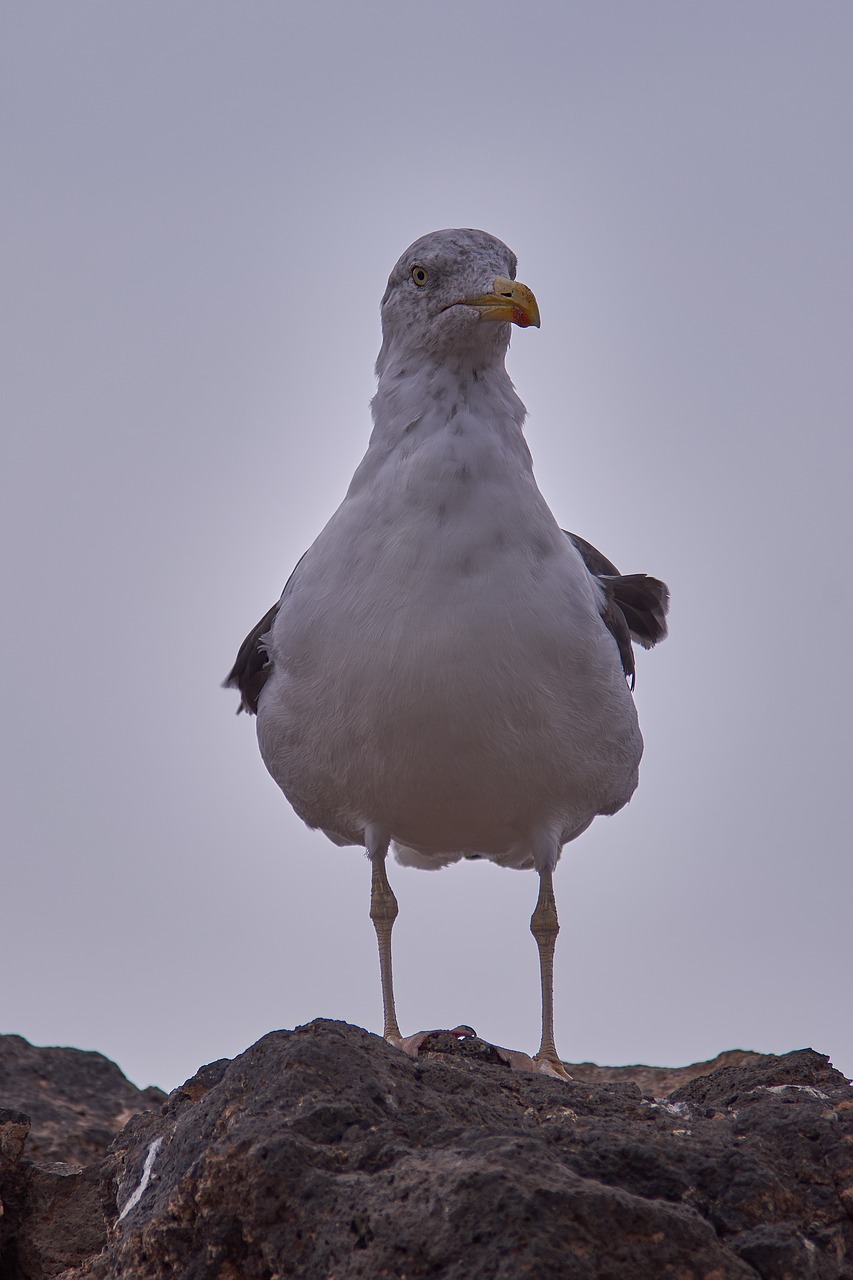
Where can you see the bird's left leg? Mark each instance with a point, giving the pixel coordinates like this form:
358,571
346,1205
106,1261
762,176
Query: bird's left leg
545,926
383,913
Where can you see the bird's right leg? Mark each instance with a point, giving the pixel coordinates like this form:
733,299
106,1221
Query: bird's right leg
383,913
545,926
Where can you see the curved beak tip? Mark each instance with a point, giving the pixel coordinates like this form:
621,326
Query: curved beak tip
509,300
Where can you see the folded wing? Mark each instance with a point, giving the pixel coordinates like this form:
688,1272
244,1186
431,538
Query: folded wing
634,605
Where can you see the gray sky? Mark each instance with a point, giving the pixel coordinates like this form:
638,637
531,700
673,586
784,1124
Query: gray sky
202,202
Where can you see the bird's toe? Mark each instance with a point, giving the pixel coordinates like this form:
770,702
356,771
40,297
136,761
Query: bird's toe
551,1065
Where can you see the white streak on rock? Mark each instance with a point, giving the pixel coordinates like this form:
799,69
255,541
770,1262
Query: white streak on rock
801,1088
150,1157
671,1108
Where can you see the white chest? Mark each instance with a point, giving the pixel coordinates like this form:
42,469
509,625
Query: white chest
440,664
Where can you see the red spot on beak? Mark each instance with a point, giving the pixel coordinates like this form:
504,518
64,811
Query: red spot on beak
519,317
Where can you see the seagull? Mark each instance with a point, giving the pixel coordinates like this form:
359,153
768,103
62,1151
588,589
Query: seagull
447,671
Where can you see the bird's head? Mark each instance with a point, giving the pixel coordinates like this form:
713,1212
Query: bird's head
453,293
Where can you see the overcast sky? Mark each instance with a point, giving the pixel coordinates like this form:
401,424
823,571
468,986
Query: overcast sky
202,202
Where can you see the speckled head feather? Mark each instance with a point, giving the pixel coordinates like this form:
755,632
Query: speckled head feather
422,319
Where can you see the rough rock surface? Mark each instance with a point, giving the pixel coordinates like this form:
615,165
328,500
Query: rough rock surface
323,1152
76,1101
65,1107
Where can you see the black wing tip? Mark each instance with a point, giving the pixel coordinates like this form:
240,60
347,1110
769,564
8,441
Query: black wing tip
636,604
252,666
249,683
645,603
231,682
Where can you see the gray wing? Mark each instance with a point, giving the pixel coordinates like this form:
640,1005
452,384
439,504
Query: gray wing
253,664
634,605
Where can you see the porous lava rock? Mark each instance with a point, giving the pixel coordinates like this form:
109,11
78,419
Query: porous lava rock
324,1152
64,1107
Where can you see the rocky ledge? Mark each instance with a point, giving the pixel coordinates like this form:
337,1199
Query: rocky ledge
324,1153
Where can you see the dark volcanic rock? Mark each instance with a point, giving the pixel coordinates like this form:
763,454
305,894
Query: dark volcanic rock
61,1108
76,1101
323,1152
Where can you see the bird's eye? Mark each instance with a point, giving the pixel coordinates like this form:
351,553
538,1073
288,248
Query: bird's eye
419,276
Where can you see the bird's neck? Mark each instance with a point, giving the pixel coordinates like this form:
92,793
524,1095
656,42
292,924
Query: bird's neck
418,399
438,424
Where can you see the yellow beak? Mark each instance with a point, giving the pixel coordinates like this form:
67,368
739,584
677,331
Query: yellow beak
510,300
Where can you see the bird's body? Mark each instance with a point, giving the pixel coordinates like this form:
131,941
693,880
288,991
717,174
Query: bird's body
445,670
440,665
